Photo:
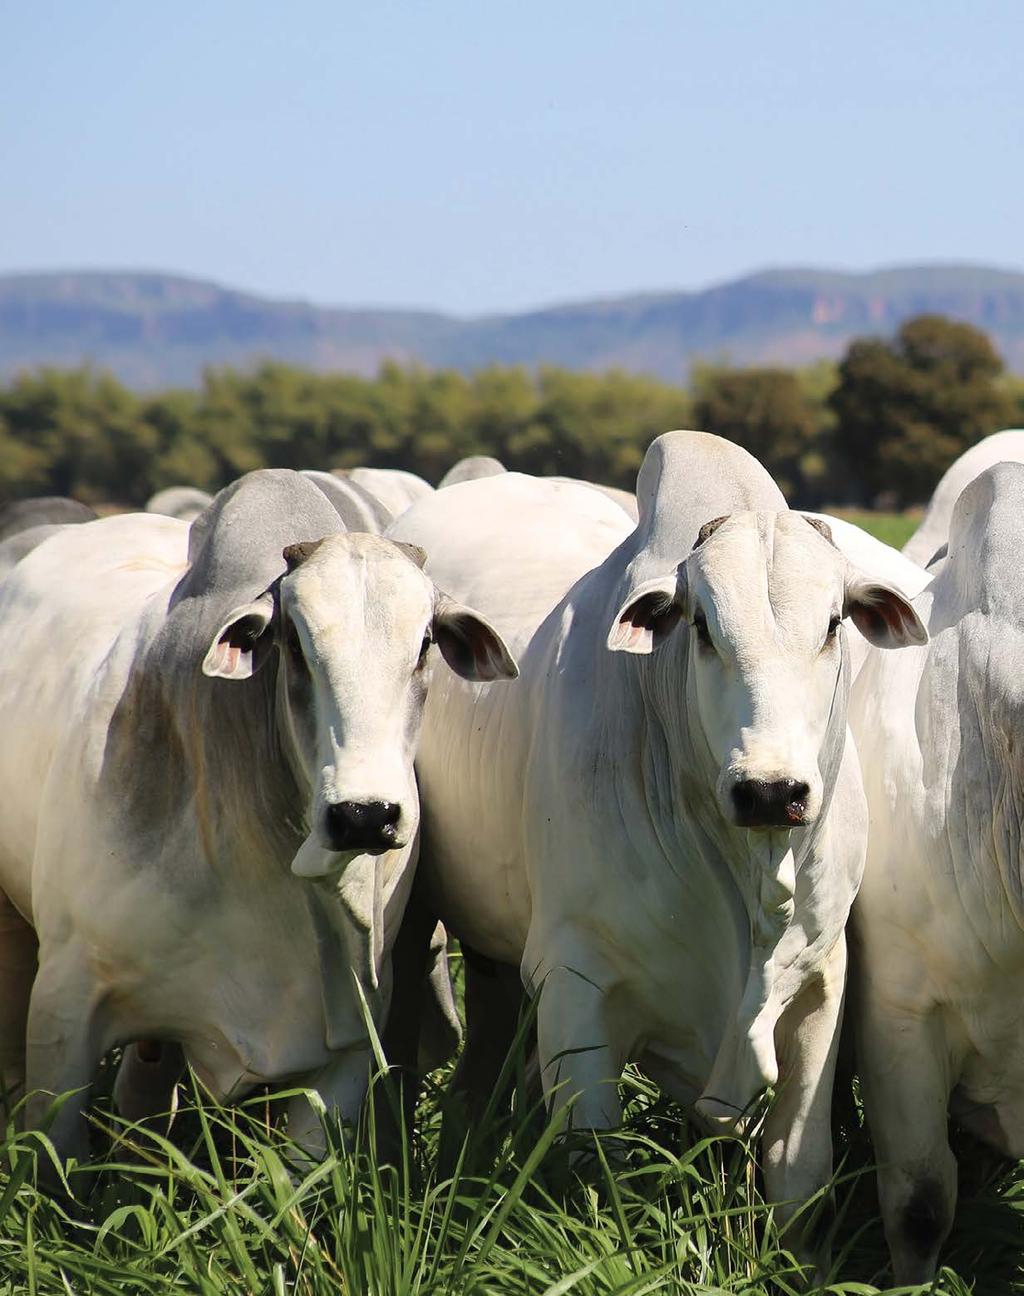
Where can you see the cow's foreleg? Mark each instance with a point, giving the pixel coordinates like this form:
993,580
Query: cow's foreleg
906,1078
797,1138
147,1078
66,1039
493,1003
493,999
580,1056
342,1086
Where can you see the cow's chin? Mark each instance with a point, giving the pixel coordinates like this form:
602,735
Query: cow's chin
791,824
785,824
313,860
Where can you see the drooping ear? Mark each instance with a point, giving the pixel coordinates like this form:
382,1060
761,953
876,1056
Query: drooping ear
469,644
650,614
241,645
883,615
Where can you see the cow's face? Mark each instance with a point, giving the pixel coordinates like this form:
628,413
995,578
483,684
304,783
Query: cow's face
762,599
355,620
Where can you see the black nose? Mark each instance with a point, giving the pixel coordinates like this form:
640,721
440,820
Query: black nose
362,825
781,803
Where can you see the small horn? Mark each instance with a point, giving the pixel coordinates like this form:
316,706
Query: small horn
821,527
709,529
413,552
296,554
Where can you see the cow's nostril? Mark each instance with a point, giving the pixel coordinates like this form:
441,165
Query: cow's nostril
362,825
796,804
770,803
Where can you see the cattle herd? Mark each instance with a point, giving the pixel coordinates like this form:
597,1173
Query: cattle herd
692,769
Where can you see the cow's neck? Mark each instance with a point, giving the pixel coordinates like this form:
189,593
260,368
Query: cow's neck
241,765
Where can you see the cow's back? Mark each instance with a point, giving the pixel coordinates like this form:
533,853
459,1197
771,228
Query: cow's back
61,611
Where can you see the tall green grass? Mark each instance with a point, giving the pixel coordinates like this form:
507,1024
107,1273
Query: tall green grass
226,1204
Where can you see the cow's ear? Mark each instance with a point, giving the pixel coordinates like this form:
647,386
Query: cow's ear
650,614
469,644
241,645
884,616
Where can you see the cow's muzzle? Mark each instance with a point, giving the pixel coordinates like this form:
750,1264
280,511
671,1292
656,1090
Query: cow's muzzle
364,826
770,803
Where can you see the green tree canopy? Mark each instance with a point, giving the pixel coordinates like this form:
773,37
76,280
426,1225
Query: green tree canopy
890,418
906,408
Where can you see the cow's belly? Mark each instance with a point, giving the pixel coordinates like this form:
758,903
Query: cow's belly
470,891
471,859
989,1097
33,709
939,930
946,947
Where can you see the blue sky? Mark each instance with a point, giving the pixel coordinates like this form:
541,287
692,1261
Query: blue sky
478,156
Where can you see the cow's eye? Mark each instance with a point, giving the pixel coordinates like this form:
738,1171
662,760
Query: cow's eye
424,646
700,624
834,625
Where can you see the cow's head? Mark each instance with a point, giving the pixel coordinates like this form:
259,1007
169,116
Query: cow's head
355,621
762,598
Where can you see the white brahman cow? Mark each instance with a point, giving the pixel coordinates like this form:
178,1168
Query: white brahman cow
663,824
396,489
939,924
933,532
42,510
191,718
182,502
472,468
477,467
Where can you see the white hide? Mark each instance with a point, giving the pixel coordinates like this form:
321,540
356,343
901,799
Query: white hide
396,489
939,923
182,502
626,500
472,468
583,827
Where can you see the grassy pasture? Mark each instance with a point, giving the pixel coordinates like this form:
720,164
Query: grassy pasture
224,1204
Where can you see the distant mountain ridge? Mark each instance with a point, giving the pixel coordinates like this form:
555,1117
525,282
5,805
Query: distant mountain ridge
156,330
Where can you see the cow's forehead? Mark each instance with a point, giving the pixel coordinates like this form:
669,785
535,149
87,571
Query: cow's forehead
753,559
357,566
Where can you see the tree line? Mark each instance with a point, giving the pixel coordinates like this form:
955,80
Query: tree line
878,428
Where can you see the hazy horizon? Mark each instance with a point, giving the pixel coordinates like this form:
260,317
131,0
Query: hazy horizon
594,298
